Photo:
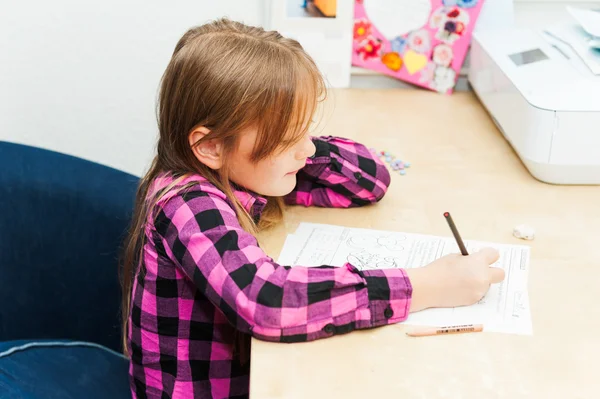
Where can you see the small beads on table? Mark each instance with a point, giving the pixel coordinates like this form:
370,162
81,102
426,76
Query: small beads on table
396,164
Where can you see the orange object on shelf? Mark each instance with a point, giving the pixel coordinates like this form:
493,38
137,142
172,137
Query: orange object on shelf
327,7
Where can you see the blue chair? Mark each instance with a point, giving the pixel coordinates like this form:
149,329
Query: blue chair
62,222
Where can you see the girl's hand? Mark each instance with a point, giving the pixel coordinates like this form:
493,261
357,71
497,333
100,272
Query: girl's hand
454,280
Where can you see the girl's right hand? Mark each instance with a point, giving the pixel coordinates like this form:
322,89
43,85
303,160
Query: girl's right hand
454,280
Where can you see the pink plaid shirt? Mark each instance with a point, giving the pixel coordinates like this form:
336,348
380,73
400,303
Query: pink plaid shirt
204,278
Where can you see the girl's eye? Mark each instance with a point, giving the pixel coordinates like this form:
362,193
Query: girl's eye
293,140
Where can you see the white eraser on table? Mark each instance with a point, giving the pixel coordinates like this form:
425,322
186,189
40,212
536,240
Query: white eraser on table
524,232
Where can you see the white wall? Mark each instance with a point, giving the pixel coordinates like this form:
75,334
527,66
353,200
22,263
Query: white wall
81,76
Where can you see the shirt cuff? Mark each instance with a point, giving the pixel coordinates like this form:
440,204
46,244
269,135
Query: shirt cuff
390,294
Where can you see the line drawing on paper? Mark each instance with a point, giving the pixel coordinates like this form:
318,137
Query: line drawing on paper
390,242
364,260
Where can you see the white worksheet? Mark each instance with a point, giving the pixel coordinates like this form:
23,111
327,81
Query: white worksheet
505,308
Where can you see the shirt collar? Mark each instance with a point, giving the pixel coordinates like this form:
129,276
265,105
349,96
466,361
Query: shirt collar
253,203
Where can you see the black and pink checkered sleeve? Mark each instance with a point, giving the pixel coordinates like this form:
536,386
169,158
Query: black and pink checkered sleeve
341,174
199,231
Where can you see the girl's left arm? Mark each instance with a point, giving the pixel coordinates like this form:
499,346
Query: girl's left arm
341,174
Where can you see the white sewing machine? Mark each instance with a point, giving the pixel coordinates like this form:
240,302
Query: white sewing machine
544,98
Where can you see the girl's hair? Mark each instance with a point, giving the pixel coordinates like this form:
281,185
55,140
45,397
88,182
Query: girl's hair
227,77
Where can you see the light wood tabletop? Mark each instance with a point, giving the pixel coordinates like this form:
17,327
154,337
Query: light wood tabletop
460,163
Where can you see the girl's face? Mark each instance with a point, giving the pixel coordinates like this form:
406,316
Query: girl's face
273,176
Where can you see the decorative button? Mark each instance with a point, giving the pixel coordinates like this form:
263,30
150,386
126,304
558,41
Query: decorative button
357,175
388,312
329,328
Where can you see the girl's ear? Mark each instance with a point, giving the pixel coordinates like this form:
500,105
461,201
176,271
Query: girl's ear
209,152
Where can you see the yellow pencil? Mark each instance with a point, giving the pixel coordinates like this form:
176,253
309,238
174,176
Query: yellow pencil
430,331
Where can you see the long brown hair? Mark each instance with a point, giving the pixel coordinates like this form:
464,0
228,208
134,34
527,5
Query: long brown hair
228,77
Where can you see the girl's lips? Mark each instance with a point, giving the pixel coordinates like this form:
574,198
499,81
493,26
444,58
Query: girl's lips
296,171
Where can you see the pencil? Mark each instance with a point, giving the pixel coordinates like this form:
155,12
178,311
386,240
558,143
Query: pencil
459,240
430,331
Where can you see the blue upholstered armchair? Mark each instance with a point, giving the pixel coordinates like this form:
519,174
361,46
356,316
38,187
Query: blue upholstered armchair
62,221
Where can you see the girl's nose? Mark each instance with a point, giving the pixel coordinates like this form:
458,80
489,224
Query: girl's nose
307,151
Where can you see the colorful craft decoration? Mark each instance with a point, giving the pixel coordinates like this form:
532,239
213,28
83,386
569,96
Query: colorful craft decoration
429,56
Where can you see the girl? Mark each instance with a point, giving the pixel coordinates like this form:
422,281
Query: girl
235,108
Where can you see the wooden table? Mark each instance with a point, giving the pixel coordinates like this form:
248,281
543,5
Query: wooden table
461,163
